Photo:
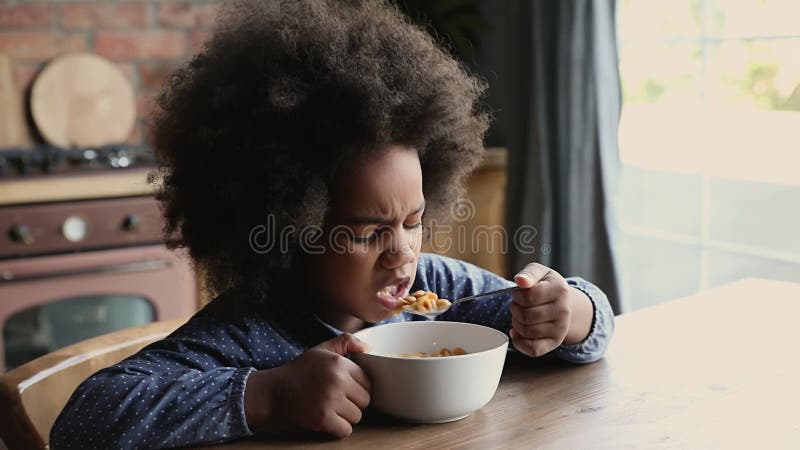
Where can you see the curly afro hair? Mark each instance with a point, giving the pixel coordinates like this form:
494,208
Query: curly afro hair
282,94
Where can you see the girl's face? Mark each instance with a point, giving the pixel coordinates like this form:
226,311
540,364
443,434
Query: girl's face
372,240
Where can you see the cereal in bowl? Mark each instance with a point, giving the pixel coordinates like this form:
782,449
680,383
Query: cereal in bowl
438,353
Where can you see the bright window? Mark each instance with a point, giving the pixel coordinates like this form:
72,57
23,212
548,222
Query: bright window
710,144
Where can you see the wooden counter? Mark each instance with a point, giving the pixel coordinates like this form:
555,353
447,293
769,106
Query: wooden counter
484,185
78,186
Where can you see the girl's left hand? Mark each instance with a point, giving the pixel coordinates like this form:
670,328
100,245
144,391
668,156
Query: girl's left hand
541,311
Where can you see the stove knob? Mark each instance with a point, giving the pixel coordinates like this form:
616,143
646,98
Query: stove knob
21,234
74,229
131,222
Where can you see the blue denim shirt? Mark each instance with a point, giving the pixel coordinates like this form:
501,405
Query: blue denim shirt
189,387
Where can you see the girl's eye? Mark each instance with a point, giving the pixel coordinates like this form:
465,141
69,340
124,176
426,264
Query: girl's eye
365,239
371,234
366,235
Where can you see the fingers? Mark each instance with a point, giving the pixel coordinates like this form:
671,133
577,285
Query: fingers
335,424
344,410
547,290
343,344
350,412
347,413
357,389
531,315
532,347
329,390
538,331
540,314
358,395
359,375
358,386
339,420
531,274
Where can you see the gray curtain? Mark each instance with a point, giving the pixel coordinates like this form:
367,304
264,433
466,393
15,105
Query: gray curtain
562,142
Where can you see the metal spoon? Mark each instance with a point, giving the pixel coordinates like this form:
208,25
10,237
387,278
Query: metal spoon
433,314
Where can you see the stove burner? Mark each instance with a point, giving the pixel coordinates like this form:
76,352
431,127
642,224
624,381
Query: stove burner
48,160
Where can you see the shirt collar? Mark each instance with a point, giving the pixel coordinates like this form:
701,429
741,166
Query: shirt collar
306,328
395,318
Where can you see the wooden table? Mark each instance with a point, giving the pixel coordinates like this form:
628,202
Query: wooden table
715,370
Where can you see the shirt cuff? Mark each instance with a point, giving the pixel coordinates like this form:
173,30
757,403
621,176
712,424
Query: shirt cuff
239,427
594,346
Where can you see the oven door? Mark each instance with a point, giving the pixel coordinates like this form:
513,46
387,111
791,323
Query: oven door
47,302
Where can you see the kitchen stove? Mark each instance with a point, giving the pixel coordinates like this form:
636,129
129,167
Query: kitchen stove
46,160
77,264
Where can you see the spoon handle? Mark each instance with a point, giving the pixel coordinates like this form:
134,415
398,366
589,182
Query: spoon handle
487,294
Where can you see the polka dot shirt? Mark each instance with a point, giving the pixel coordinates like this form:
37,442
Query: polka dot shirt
188,388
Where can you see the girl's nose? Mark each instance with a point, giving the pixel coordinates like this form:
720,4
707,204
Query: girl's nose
397,251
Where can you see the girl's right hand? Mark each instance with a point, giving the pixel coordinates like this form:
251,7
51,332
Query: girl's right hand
321,390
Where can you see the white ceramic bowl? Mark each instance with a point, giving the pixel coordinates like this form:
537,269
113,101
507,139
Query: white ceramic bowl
432,390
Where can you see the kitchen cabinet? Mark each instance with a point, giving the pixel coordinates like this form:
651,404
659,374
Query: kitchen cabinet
477,233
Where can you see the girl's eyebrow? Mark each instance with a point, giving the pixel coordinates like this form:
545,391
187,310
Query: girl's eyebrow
378,220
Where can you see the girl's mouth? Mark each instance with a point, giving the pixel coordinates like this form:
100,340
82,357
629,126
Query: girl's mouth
389,295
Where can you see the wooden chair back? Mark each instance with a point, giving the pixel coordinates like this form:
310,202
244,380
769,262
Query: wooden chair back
32,395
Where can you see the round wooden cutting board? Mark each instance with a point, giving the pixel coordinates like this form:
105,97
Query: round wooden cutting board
82,100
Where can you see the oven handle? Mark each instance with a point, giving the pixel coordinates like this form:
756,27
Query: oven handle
139,266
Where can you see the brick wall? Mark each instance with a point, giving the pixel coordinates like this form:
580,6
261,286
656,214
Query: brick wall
145,38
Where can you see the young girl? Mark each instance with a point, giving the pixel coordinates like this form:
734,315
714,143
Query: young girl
302,153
